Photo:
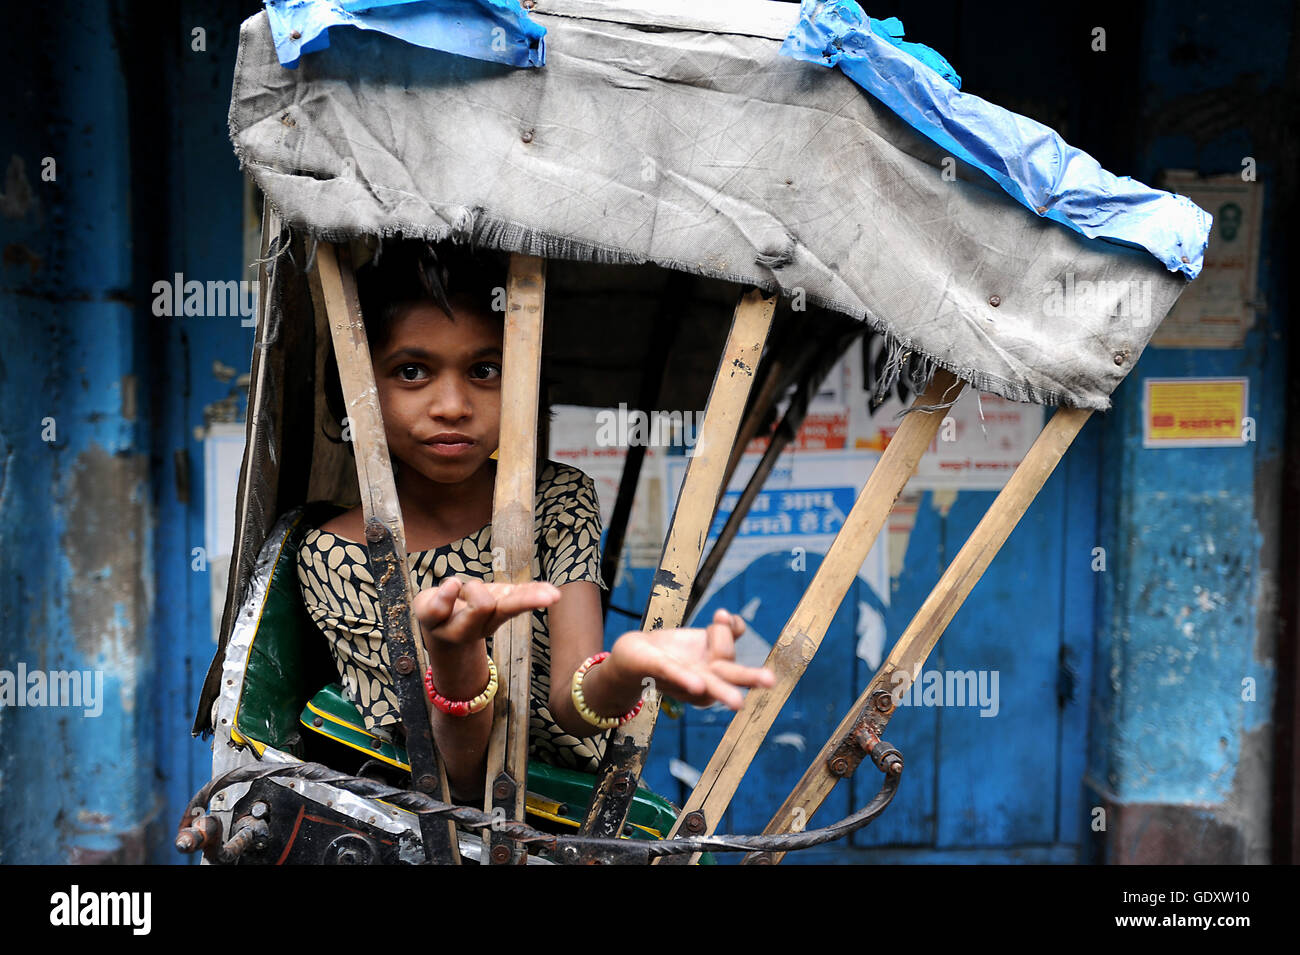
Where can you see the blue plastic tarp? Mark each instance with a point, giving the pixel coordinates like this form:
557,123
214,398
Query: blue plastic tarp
495,30
1027,159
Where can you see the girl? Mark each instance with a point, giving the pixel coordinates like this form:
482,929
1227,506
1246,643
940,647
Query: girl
436,344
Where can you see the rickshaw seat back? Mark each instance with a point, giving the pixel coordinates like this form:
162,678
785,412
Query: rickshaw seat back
288,659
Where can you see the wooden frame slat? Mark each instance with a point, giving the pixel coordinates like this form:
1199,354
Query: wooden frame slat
334,289
930,621
512,544
696,503
803,633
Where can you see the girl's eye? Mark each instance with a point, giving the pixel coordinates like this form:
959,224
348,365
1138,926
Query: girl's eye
410,372
485,370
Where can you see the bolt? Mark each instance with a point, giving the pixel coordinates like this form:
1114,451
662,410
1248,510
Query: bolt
259,810
840,766
883,701
501,854
622,785
186,842
348,857
571,853
694,823
995,300
404,665
501,790
427,783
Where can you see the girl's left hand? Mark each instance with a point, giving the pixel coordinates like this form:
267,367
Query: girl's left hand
693,665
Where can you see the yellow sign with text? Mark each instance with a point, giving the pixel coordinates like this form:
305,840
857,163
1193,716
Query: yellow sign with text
1195,412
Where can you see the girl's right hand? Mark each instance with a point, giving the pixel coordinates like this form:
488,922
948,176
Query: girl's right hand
459,612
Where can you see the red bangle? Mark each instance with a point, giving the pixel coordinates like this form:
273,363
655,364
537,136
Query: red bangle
462,707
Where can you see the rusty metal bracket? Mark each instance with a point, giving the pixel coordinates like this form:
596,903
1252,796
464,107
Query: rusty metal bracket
395,612
503,850
862,741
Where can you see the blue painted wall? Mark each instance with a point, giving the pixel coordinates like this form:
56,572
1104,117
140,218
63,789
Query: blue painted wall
1190,604
94,535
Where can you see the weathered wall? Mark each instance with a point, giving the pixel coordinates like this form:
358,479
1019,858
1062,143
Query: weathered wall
76,591
1181,752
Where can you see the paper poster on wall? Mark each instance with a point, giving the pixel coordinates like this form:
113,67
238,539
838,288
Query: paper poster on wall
826,423
580,437
977,449
1218,308
802,507
223,454
1194,412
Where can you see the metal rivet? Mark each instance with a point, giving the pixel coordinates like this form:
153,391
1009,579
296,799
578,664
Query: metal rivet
883,701
295,35
694,822
500,854
1186,259
1042,209
839,766
317,721
427,783
995,300
1119,358
374,531
375,743
404,665
527,136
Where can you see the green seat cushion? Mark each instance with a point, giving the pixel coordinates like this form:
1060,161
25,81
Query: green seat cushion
554,793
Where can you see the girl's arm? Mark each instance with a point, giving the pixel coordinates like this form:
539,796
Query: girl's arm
691,664
455,620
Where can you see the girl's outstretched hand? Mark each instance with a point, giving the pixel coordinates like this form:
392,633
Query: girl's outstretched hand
693,665
459,612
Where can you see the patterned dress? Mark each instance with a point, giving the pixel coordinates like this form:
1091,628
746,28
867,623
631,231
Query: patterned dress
340,595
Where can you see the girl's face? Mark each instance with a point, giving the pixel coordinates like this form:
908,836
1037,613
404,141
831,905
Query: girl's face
439,387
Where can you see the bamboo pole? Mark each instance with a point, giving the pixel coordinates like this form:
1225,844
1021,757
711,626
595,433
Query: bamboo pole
335,291
803,633
696,504
879,700
512,544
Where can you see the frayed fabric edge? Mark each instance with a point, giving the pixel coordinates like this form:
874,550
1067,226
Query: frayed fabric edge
471,226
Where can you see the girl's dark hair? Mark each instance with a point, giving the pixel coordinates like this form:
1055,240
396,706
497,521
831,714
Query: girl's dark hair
405,271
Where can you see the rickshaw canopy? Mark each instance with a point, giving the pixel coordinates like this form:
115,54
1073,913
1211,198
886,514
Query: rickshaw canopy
683,136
